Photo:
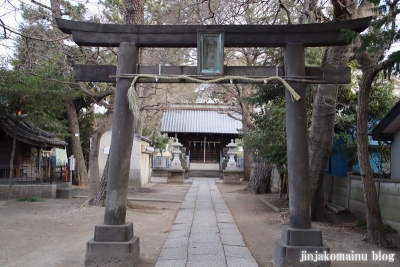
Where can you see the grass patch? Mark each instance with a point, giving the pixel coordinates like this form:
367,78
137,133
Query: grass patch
389,229
363,224
31,199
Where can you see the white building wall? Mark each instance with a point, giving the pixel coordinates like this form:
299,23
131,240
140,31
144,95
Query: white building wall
134,172
145,172
61,156
105,142
395,156
140,169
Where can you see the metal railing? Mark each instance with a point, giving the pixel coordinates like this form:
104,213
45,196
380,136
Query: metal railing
161,162
46,173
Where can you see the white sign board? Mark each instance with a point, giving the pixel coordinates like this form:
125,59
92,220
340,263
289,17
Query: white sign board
72,163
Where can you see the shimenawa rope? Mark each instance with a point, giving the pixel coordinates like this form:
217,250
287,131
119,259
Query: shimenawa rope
134,102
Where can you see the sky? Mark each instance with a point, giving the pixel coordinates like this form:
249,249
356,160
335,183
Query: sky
10,17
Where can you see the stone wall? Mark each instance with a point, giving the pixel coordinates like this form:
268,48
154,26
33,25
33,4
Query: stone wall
21,191
348,192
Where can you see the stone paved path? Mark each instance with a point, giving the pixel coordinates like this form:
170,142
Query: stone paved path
204,232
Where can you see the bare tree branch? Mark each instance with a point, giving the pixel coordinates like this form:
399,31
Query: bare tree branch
51,79
42,5
5,27
288,13
96,97
345,8
5,32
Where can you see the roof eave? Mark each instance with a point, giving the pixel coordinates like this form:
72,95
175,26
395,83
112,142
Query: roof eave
377,133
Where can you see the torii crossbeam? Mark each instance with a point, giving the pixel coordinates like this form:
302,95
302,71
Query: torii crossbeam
114,238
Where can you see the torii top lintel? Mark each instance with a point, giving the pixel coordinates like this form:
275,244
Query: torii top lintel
111,35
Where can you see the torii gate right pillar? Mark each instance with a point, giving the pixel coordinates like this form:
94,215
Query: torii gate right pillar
298,238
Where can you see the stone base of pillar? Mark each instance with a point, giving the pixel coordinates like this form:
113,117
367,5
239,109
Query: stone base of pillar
176,176
231,176
301,247
113,245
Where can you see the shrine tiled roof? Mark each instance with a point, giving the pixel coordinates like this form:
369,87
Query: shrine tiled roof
200,118
30,134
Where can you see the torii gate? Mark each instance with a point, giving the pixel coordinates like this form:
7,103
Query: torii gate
114,238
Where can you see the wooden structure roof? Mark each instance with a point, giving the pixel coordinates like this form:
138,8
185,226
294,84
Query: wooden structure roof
111,35
200,118
30,134
390,124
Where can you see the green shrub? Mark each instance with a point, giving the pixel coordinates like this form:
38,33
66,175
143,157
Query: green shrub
31,199
363,224
389,229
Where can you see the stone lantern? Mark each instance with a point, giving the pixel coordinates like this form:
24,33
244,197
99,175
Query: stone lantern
175,172
231,174
176,151
231,153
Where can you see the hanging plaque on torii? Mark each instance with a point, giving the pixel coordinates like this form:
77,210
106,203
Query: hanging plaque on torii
210,52
114,238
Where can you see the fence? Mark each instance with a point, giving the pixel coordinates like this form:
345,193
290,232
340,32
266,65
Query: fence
240,163
48,172
161,162
348,192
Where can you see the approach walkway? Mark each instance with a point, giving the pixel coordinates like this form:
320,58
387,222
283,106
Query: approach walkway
204,232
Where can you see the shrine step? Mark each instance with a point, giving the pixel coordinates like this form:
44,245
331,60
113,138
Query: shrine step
159,172
68,192
204,166
204,173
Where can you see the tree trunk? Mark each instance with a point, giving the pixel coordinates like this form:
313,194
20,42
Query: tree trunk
94,174
134,12
80,173
320,143
140,124
262,178
247,161
375,229
282,180
247,155
100,198
323,120
14,147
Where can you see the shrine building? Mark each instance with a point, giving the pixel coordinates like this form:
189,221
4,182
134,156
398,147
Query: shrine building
204,130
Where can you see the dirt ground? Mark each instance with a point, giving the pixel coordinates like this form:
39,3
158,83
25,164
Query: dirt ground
55,232
261,226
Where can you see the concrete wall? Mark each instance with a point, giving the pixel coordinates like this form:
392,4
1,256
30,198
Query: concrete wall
336,190
20,191
395,156
275,178
348,192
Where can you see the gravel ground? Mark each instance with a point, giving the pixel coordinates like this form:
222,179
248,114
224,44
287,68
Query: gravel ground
261,226
55,232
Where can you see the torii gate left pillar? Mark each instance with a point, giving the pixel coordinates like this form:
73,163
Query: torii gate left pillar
114,243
